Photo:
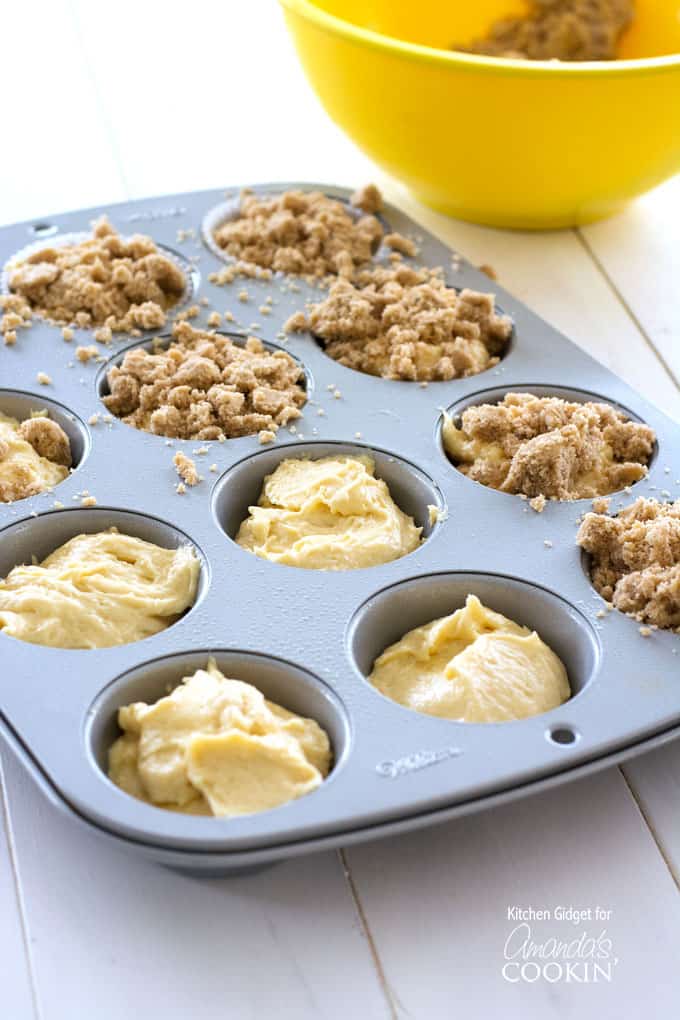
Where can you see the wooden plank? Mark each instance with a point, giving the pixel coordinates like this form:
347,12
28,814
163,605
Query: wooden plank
114,936
438,904
17,997
640,253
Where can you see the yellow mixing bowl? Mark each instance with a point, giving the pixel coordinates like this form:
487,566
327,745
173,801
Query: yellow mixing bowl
510,143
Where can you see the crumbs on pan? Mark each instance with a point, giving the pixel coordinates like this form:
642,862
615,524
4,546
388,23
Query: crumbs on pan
186,469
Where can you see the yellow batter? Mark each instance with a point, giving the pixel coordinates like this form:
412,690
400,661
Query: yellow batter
327,514
215,746
97,591
473,666
23,471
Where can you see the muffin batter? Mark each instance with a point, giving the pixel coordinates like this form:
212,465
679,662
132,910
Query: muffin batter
543,446
327,514
473,666
635,560
215,746
559,30
34,455
98,590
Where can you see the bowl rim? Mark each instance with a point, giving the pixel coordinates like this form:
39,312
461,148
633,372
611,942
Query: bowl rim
309,10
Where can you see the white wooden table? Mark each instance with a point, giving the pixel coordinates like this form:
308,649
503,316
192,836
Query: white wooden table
107,102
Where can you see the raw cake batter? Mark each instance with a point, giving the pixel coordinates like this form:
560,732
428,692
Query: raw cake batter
327,514
215,746
98,590
473,666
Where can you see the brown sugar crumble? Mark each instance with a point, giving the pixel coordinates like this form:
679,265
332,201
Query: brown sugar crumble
206,386
16,314
186,469
548,447
368,199
85,354
405,323
297,232
117,283
558,30
635,560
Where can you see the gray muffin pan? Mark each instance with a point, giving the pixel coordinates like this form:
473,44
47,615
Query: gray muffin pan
307,639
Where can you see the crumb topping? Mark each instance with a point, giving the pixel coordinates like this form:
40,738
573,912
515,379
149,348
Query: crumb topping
547,447
297,232
558,30
405,323
635,560
186,469
118,283
206,386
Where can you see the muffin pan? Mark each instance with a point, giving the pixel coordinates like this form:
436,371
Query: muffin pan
308,638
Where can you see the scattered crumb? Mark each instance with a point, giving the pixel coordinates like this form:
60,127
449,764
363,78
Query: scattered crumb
214,320
205,386
180,488
107,280
67,334
601,504
58,505
266,436
543,446
243,295
93,419
489,271
43,378
399,243
213,468
186,469
538,503
88,501
635,560
84,354
645,631
368,199
10,337
103,335
547,543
